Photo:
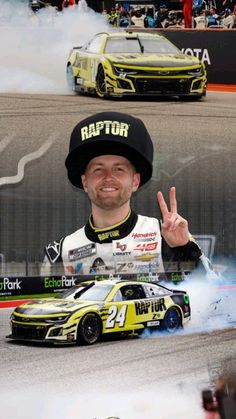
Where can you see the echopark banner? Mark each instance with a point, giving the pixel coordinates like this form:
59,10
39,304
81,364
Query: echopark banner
13,286
214,47
24,285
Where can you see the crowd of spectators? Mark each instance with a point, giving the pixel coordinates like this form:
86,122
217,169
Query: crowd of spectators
193,13
203,14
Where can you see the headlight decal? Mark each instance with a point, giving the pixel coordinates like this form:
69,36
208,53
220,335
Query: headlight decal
197,72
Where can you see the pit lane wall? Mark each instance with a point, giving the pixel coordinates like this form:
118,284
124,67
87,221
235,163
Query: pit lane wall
214,47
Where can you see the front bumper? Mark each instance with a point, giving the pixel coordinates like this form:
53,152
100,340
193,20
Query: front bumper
44,341
42,333
176,83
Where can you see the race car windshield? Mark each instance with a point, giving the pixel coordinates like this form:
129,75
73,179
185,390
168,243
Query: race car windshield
91,292
118,45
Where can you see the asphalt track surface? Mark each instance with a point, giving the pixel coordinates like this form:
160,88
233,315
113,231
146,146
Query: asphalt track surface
127,378
157,376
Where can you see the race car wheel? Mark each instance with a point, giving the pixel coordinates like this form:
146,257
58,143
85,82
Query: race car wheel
89,329
172,320
70,78
100,82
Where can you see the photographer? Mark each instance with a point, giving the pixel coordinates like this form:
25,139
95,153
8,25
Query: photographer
221,403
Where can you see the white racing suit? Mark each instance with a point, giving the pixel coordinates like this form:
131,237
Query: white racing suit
133,246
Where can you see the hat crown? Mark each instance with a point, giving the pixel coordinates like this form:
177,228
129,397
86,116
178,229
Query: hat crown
110,133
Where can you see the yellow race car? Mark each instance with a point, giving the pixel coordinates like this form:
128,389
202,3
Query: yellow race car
117,64
94,308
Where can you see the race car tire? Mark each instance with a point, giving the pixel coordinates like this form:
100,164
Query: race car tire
101,82
70,78
172,320
89,329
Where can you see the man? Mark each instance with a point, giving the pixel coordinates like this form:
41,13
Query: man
187,11
110,157
113,17
228,19
200,20
212,18
162,16
137,18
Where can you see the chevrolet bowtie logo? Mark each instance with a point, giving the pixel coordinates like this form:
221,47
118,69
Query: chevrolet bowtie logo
146,257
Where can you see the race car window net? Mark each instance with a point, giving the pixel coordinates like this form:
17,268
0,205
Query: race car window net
133,45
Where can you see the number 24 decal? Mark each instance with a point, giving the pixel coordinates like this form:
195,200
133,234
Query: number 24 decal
115,316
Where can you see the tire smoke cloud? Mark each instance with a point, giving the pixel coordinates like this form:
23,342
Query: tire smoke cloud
35,46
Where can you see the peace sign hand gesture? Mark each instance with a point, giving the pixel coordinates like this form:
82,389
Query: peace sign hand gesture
174,228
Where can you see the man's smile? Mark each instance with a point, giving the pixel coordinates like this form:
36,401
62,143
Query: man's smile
109,189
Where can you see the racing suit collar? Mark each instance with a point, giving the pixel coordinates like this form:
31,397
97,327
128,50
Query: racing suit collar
115,232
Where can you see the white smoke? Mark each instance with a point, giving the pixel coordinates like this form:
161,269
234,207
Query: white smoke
164,403
35,46
212,304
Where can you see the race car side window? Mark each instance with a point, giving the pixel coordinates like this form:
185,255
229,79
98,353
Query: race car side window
118,297
95,45
132,292
156,291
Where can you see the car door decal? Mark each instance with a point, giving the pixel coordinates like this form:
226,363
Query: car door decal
115,316
94,68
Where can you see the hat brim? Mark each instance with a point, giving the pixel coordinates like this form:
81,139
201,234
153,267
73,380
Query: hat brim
77,161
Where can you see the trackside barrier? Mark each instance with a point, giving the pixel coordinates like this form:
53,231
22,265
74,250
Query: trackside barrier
214,47
15,286
25,285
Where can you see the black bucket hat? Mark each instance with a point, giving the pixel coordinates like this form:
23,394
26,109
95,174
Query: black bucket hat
109,133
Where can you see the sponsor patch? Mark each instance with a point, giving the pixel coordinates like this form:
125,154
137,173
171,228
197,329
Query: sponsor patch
124,267
74,269
148,247
121,246
121,250
82,252
147,236
130,267
146,257
53,250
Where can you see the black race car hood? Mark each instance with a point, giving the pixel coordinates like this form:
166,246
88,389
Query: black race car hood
52,306
153,60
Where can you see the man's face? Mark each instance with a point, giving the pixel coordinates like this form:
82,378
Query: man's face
110,181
